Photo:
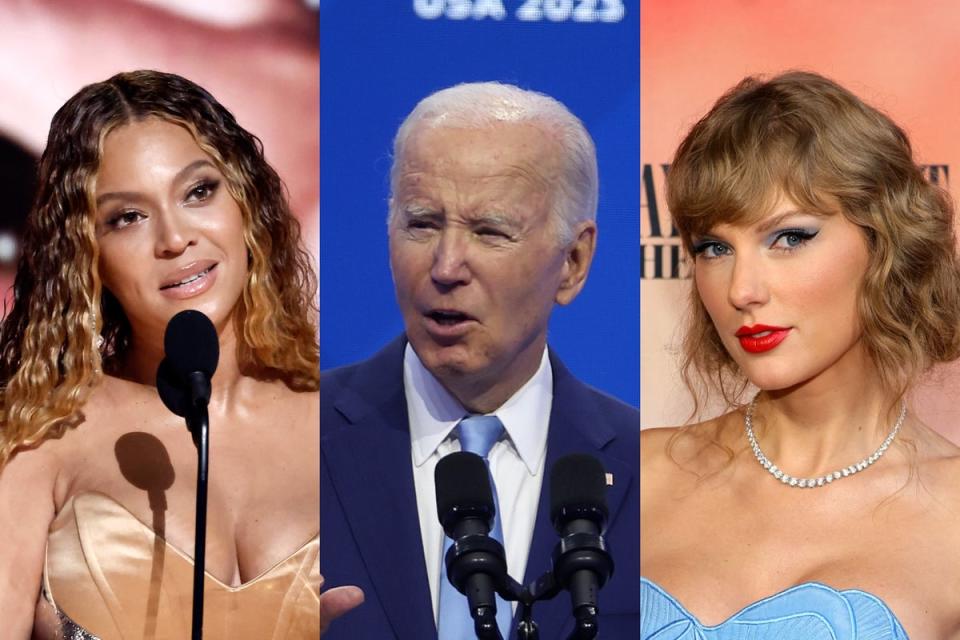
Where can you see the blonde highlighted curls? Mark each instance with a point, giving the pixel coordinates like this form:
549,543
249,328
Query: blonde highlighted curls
48,356
805,137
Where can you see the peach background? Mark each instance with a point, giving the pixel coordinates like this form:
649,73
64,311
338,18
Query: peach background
894,56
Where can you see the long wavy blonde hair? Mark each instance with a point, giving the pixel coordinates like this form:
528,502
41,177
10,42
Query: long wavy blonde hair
49,359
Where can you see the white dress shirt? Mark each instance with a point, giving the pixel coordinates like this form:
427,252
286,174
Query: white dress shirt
516,460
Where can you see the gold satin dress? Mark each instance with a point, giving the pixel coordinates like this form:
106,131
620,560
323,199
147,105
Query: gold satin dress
108,576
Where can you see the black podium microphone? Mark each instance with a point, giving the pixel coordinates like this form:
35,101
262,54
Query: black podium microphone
191,353
578,510
476,563
192,350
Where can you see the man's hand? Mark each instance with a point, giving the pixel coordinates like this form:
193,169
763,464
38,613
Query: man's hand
336,602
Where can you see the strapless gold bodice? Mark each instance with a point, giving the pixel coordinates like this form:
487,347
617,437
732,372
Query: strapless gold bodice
116,579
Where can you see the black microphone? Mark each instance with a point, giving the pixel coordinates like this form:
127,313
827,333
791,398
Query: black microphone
192,352
476,563
578,510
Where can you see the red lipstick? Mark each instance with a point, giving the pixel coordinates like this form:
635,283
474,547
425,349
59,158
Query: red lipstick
759,338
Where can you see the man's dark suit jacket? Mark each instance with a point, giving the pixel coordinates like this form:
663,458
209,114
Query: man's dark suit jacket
369,528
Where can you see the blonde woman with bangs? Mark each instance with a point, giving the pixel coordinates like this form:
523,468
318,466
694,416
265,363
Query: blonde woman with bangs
825,283
151,200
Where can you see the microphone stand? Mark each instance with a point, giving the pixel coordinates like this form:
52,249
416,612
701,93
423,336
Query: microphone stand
199,424
485,625
572,553
544,588
484,618
526,627
191,349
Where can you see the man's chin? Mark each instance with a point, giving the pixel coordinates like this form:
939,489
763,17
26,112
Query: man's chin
450,362
443,366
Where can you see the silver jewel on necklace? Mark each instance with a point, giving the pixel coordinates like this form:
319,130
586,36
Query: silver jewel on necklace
813,483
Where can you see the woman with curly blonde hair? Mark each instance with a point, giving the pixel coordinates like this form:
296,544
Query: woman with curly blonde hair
826,281
152,199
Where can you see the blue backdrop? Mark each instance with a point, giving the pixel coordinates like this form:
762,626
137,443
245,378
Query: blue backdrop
378,59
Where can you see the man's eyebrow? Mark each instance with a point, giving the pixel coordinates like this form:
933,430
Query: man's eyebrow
418,211
496,219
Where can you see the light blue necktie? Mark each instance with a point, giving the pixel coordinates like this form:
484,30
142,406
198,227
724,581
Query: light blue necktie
477,435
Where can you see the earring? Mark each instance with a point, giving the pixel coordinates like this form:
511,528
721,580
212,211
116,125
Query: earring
97,337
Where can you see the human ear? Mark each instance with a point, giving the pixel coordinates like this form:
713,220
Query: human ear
576,263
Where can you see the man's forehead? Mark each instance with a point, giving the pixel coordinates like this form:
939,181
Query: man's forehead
482,149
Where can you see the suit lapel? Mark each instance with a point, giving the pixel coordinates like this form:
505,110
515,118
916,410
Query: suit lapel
370,463
575,427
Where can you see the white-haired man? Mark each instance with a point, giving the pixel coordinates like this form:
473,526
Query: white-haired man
491,224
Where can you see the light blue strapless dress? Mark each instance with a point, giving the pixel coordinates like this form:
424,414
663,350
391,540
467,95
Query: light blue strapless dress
810,611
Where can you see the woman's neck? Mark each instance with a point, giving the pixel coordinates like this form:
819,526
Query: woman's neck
824,425
142,358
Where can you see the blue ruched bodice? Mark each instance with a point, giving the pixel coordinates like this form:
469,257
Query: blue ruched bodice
810,611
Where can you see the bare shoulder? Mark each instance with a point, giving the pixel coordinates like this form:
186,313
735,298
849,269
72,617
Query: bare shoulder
117,394
32,471
656,465
308,401
690,450
27,509
306,415
929,502
113,407
693,443
303,407
280,416
654,443
27,492
937,461
924,487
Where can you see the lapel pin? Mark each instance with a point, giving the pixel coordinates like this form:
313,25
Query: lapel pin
609,479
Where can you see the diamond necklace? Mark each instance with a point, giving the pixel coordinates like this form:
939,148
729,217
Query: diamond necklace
812,483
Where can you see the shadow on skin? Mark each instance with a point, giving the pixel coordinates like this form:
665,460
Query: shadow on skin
145,463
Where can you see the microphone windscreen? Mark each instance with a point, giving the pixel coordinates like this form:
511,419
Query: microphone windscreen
578,483
172,390
191,344
462,482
